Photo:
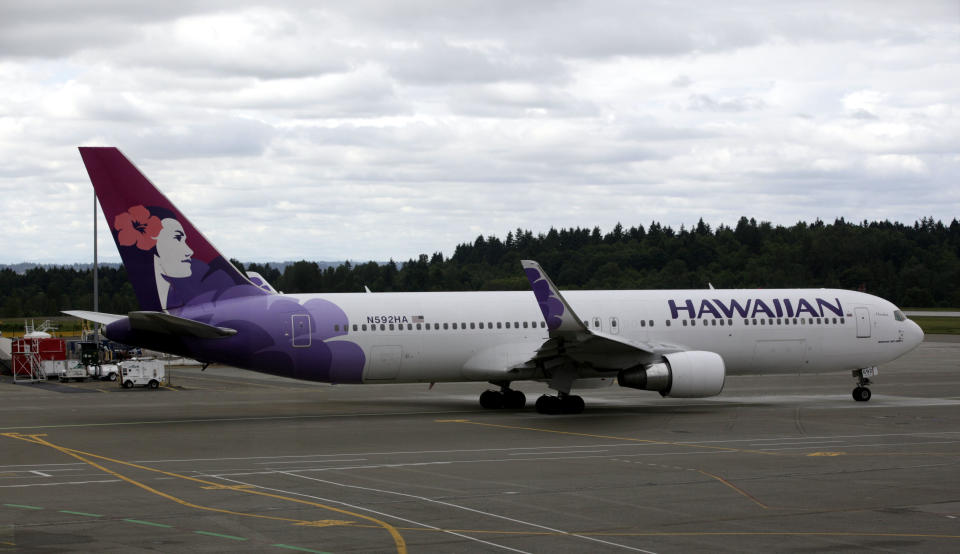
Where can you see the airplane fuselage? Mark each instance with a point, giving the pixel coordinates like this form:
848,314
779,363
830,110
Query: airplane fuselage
457,336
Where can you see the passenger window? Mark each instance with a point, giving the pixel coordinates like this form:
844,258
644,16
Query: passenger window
713,322
763,322
841,321
354,327
463,325
543,324
524,324
364,326
818,321
445,326
668,322
336,327
507,324
516,324
721,323
500,325
473,325
651,323
834,321
391,326
684,322
778,321
643,323
481,325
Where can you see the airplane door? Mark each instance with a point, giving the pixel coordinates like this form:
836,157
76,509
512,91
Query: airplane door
863,322
301,330
384,363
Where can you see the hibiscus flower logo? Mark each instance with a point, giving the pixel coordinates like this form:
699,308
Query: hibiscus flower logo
137,226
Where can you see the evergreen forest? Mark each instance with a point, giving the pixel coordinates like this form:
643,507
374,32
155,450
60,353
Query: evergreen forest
911,265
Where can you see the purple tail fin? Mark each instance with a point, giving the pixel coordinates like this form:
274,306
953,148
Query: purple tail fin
171,265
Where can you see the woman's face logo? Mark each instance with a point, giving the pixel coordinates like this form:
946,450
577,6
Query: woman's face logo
173,253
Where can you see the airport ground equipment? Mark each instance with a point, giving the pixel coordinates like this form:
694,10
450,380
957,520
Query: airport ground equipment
109,372
142,372
33,359
77,372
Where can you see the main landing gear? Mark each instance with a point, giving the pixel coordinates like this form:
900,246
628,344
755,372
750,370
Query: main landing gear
862,393
560,404
503,398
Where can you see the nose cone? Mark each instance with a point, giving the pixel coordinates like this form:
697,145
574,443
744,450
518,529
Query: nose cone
913,335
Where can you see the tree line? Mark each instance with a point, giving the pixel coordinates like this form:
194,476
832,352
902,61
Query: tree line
912,265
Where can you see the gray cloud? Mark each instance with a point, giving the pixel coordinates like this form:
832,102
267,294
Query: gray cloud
374,130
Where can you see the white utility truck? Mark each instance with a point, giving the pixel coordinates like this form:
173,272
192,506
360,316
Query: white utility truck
142,372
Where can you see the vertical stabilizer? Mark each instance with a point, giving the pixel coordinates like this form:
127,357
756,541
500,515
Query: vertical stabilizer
170,264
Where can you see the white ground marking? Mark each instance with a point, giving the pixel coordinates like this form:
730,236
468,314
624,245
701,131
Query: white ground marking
383,514
481,512
52,484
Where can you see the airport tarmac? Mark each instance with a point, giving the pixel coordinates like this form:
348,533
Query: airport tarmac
231,460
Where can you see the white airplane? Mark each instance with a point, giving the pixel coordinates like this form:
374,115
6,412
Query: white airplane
680,343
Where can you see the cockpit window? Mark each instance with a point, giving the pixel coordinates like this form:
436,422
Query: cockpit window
898,315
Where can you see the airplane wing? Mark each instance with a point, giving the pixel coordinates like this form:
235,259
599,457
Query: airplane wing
159,322
573,345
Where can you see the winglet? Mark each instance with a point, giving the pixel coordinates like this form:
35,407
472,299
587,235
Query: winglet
557,313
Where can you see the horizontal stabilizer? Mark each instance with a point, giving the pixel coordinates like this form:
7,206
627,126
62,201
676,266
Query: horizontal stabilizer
159,322
96,317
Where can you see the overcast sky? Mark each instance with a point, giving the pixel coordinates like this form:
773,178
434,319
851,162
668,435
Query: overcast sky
369,130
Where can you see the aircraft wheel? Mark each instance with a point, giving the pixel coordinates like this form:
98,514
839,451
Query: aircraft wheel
572,404
128,384
514,400
491,400
861,394
547,404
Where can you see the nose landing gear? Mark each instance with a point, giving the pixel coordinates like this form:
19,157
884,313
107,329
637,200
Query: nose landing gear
862,393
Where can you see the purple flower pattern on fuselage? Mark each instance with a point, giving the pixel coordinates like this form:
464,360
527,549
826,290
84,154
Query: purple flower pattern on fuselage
550,305
265,342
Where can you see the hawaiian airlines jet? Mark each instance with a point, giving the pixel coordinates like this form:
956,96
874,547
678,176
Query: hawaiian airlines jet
680,343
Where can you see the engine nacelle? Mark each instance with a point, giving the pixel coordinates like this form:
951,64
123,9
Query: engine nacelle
693,374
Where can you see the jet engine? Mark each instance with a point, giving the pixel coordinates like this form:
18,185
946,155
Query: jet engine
693,374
